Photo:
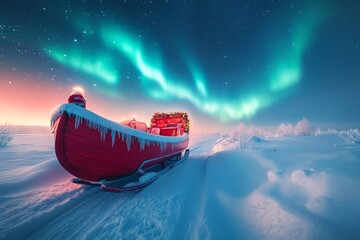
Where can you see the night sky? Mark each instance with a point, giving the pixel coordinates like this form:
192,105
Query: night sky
261,62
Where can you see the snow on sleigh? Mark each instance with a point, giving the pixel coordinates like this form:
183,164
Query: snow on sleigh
117,157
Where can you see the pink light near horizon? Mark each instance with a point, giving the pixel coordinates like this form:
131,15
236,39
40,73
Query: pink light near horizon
25,102
28,103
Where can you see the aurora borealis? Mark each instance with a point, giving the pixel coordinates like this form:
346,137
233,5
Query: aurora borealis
226,61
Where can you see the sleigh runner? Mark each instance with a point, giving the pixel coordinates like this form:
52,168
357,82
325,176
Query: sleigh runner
97,150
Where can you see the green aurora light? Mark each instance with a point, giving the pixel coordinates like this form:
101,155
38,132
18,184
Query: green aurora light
98,67
285,73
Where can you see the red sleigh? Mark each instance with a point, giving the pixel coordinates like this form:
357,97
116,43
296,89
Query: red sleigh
97,150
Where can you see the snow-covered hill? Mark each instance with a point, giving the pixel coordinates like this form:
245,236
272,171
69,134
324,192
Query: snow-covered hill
303,187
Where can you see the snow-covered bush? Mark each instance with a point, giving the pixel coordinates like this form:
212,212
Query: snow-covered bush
242,134
317,132
302,127
284,130
5,136
320,132
351,135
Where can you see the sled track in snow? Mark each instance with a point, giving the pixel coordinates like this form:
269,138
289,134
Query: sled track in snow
192,216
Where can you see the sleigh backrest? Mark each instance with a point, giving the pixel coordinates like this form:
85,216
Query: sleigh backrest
171,124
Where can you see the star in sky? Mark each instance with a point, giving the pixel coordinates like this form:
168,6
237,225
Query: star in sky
229,61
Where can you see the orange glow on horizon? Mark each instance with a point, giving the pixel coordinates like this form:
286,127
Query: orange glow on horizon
24,102
27,103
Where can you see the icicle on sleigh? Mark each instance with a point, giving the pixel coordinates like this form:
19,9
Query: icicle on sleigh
117,157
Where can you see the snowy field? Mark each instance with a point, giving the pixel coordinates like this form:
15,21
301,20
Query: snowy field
300,187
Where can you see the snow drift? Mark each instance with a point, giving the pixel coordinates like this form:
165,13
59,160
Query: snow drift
307,188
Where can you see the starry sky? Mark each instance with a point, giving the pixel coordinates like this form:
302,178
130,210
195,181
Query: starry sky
260,62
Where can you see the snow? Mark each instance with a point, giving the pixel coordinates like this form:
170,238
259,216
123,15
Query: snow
143,179
298,187
104,126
